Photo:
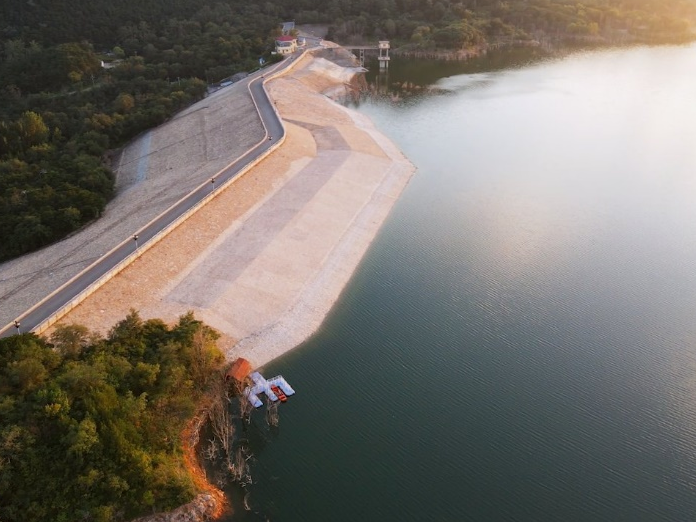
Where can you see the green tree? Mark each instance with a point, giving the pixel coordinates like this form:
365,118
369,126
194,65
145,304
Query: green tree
70,340
90,427
31,130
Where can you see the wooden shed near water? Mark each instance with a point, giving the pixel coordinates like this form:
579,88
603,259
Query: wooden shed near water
239,371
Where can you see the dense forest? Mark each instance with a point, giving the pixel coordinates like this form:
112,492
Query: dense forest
90,427
79,79
451,25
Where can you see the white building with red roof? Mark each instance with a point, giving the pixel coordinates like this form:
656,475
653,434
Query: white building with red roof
286,44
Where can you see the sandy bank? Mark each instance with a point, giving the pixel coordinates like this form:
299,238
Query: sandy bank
265,260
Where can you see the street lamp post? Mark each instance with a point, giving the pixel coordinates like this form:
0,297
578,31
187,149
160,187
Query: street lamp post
17,324
135,238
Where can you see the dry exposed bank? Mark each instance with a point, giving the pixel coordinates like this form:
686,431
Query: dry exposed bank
266,259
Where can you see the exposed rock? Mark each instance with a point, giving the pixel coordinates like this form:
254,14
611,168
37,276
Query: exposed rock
202,508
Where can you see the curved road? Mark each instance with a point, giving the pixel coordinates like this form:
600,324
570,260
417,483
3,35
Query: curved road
66,293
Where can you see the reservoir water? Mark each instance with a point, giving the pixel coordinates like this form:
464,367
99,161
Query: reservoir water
519,343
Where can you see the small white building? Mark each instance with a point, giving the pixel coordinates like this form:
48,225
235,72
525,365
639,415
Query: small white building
286,44
111,64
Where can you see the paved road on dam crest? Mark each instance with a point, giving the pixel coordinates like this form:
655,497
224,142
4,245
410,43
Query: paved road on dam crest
63,296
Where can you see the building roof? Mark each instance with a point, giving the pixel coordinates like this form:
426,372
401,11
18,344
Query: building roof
285,38
239,370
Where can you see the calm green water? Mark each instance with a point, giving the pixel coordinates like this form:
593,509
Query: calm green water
519,344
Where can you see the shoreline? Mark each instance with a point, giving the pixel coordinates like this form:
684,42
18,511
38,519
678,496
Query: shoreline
265,260
308,311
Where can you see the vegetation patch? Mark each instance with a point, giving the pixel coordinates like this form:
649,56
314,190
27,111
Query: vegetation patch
90,427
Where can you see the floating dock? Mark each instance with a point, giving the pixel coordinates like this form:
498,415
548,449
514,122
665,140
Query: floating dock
263,385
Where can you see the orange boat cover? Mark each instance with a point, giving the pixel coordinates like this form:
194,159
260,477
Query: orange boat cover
239,370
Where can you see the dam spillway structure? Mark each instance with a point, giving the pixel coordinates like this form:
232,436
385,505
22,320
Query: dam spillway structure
382,47
383,54
275,388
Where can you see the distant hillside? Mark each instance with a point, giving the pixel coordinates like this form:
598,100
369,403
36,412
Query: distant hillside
61,111
98,21
450,24
105,23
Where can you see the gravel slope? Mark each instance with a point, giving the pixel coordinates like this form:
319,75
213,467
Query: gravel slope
266,259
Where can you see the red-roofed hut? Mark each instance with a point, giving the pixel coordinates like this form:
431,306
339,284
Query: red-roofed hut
240,370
